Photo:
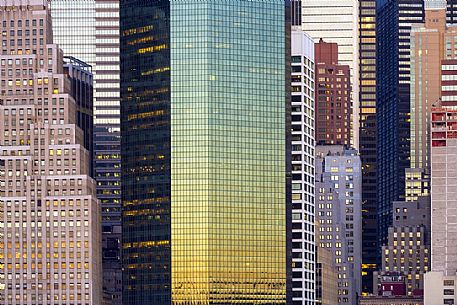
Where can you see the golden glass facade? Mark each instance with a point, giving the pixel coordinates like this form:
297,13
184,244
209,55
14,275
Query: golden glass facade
228,167
203,119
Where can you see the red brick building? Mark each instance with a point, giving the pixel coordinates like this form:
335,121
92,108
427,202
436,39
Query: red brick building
333,97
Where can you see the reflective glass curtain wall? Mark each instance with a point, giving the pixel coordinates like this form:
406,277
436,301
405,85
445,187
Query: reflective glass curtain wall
228,134
203,88
146,152
73,25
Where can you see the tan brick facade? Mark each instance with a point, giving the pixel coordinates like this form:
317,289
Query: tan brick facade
49,218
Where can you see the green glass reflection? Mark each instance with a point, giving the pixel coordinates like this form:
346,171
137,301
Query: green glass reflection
228,152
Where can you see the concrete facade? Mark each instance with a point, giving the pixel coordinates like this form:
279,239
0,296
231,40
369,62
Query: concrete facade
433,76
444,191
326,278
89,30
439,286
407,252
400,300
50,241
303,201
338,210
427,44
417,184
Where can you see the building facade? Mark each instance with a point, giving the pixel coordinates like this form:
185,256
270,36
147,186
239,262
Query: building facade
211,106
440,287
439,284
82,87
429,42
367,138
451,15
336,21
433,56
394,21
89,31
326,278
394,93
408,248
50,245
303,146
333,97
395,300
444,255
338,211
417,185
391,284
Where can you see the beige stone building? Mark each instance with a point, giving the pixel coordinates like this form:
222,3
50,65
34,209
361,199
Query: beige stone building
433,75
326,278
440,284
49,218
338,211
407,250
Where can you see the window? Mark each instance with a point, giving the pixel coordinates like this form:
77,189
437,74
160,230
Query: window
448,292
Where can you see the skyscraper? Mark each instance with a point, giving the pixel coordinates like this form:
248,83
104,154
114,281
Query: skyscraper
367,138
82,90
303,143
50,218
89,30
433,72
394,96
444,254
408,245
326,277
394,21
338,211
427,53
337,21
205,180
333,97
408,249
440,284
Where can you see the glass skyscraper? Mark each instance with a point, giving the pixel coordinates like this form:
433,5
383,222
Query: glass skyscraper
203,120
393,109
367,139
393,103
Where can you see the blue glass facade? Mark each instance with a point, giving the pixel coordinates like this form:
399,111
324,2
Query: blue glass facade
146,152
367,139
394,19
203,89
451,11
